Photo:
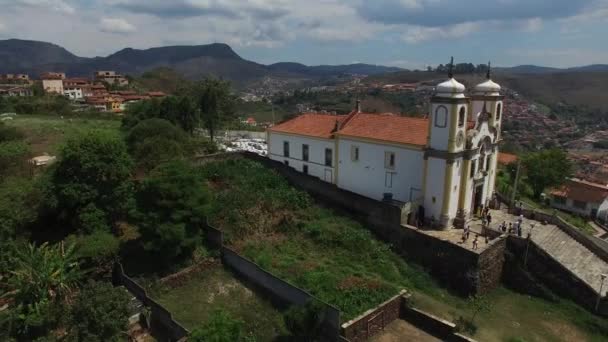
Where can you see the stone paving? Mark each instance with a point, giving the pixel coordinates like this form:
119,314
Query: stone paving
570,253
400,330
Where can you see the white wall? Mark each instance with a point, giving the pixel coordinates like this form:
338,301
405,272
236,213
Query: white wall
569,206
53,86
435,181
367,176
316,154
73,93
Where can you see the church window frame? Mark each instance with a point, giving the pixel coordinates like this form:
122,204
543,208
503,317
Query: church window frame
286,149
441,117
305,152
461,116
473,167
329,156
498,111
354,153
389,160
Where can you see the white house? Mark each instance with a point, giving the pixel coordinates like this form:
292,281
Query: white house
583,198
444,165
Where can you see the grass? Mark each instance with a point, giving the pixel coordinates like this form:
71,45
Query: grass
517,317
193,302
339,261
45,134
336,260
331,256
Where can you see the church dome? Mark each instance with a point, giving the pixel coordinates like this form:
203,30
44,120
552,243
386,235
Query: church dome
488,87
450,88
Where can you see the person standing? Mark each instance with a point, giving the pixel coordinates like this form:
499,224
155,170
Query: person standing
475,242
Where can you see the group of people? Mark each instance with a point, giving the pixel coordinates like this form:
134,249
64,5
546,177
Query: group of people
513,227
465,237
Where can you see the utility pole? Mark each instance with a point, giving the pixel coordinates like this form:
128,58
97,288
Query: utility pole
512,204
272,105
599,294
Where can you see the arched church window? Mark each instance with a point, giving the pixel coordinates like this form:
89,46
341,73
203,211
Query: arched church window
461,116
441,117
498,111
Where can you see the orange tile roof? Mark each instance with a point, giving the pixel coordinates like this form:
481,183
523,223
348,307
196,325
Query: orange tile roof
583,191
314,125
506,158
388,127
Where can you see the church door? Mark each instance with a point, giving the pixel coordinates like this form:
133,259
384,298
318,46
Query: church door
476,205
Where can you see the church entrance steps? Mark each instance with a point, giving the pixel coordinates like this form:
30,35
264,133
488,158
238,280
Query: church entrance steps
571,254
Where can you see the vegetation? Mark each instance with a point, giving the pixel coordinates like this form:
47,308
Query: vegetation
515,315
99,313
220,327
196,301
304,322
91,183
171,208
215,103
39,281
42,104
153,141
278,227
545,169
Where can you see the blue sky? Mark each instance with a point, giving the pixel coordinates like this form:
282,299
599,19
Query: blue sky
405,33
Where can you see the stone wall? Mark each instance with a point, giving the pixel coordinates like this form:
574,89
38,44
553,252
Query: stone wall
161,320
543,268
490,264
278,289
374,320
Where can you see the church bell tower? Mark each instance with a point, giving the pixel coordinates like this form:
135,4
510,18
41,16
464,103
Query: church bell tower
443,157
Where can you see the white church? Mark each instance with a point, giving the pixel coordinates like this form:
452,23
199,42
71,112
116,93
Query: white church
444,165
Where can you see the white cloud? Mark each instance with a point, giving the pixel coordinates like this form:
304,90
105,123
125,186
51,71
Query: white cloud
116,25
54,5
417,34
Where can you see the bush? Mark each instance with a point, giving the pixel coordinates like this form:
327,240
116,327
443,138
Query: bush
304,322
98,250
100,313
154,141
20,199
221,327
171,208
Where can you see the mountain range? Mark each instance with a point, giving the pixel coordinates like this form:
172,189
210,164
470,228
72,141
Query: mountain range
34,57
194,62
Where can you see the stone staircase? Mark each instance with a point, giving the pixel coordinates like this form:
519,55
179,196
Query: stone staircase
577,258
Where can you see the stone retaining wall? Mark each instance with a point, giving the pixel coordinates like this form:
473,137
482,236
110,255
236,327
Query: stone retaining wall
374,320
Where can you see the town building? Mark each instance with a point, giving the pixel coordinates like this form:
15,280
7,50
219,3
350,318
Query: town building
582,198
14,78
111,77
74,88
52,82
16,91
443,166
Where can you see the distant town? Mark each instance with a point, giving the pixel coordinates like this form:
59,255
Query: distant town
96,93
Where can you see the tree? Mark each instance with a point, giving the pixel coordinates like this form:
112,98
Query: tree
91,183
100,313
20,199
215,102
221,327
187,117
40,280
545,169
171,209
153,141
